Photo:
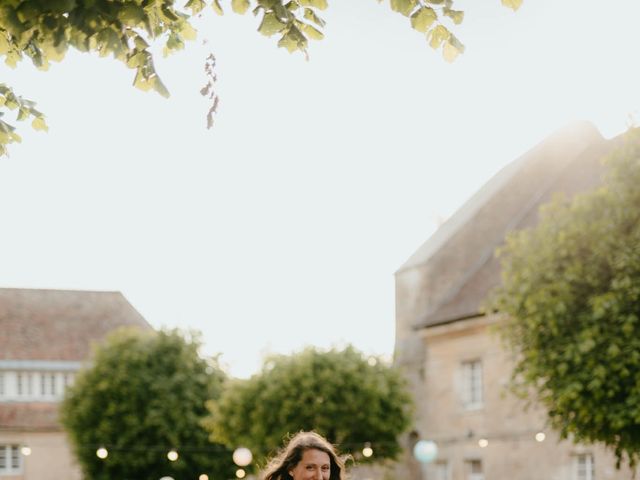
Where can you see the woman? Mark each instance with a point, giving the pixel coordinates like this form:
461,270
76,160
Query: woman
307,456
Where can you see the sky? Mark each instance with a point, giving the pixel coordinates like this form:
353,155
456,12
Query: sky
283,225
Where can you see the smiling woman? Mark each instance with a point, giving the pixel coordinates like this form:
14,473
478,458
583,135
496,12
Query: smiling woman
307,456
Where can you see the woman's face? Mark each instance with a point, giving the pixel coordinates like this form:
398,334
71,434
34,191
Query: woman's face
314,465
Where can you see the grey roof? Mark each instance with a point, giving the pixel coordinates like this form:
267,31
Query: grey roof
459,259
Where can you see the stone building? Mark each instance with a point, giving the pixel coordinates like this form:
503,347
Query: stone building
456,366
45,336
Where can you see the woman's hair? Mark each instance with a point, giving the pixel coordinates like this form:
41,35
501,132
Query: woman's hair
291,454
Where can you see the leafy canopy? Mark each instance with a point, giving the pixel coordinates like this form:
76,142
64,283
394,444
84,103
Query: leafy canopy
340,394
143,395
43,31
571,289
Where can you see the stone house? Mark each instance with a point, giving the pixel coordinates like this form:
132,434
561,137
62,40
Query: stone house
45,336
456,366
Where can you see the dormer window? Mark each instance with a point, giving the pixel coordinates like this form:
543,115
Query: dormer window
35,381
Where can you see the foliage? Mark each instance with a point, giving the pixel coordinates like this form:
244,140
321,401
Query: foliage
43,30
339,393
25,108
144,394
571,289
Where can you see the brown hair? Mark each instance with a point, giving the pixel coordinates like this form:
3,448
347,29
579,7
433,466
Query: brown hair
291,454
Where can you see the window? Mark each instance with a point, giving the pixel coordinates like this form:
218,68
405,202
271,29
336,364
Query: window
583,467
473,470
27,384
441,470
48,384
23,384
472,384
67,379
10,460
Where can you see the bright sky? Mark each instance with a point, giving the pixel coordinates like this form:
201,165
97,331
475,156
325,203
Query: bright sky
282,227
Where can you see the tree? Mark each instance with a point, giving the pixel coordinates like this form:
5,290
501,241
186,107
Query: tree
340,394
44,30
143,395
571,292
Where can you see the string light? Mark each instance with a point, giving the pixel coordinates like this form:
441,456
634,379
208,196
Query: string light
242,456
425,451
204,476
483,442
26,451
531,435
172,455
367,451
240,473
540,436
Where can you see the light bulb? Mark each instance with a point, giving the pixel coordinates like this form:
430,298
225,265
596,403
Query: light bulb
242,456
367,451
172,455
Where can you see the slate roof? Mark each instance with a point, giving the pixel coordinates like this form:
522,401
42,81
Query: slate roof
459,259
59,324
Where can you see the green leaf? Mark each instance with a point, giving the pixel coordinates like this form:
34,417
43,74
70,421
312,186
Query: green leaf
137,59
11,102
38,123
282,12
437,35
293,40
131,14
456,15
310,15
4,43
292,6
450,52
240,6
23,113
423,18
405,7
15,137
141,81
140,43
271,24
215,4
12,58
312,32
188,32
512,4
196,6
159,87
453,40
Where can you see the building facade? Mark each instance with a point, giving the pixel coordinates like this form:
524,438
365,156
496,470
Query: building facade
449,350
45,338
